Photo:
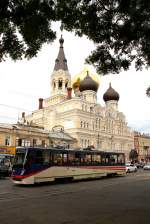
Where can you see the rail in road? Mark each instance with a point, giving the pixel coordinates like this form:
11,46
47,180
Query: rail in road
118,200
11,192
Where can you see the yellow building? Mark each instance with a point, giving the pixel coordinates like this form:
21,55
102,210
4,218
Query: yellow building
27,135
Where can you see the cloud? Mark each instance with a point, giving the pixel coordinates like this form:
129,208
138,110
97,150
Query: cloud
142,126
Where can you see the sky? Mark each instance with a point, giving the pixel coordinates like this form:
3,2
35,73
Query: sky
24,82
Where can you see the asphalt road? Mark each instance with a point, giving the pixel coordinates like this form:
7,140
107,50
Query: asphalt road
120,200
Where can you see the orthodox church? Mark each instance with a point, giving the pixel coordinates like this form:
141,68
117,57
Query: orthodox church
73,106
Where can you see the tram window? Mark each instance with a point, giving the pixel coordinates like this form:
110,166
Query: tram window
71,157
121,159
82,158
96,159
57,158
39,157
103,160
88,159
107,159
77,158
113,159
65,158
46,157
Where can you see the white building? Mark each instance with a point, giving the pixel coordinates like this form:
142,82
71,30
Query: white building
80,114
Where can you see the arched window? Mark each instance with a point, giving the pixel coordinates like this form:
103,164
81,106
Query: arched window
82,142
81,124
54,85
99,123
66,84
60,84
85,144
96,122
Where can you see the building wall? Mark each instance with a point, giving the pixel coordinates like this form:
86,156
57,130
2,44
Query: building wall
91,124
7,137
142,145
27,135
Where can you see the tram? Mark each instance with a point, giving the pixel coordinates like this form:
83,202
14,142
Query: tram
36,165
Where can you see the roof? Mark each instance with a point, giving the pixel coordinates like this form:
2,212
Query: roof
110,94
88,84
61,62
7,126
51,134
23,127
61,135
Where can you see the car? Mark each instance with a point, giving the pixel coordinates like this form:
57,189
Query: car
139,164
146,166
130,168
5,166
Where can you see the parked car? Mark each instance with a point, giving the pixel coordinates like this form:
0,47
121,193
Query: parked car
5,166
147,166
130,168
139,164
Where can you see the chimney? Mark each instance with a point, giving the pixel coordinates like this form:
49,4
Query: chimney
69,90
40,103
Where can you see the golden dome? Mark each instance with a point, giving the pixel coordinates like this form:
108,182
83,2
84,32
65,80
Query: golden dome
80,76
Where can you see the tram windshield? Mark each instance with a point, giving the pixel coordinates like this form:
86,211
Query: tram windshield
38,157
20,157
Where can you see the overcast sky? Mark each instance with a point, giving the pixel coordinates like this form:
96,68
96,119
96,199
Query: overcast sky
23,82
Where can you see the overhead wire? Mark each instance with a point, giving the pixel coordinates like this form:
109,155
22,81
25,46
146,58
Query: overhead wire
17,108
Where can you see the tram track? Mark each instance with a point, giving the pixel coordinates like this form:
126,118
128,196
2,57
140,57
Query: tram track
26,193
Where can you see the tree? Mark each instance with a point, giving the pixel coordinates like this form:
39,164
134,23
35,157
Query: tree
120,29
148,91
24,26
133,155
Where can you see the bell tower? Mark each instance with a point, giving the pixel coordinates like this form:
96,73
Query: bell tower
60,78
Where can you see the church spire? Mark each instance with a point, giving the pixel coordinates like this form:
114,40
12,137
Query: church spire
61,62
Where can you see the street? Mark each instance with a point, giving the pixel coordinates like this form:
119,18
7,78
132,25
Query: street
118,200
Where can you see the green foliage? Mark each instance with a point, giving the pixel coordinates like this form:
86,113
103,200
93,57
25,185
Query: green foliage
133,155
24,26
148,91
120,29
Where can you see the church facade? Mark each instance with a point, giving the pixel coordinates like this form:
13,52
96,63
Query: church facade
74,106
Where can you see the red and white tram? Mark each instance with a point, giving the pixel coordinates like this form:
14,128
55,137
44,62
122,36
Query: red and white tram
35,165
